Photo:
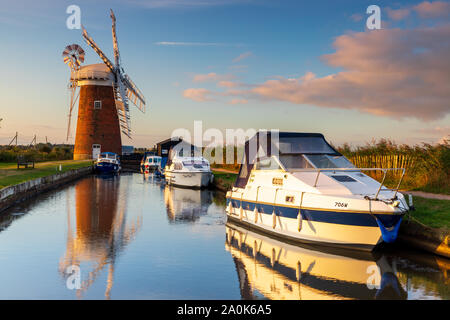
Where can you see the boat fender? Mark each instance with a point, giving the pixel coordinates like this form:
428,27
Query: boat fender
274,219
241,212
298,273
299,221
255,212
389,234
230,207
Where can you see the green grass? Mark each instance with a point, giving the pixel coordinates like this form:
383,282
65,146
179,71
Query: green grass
431,212
10,175
4,165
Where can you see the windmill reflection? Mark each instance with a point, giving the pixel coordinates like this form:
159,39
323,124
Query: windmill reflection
186,205
272,269
102,231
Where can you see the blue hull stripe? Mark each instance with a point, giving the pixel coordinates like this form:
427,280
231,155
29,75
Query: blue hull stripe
336,217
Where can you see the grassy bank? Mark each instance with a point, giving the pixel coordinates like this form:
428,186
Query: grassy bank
10,175
431,212
224,180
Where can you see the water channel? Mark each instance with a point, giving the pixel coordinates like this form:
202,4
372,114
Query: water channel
132,237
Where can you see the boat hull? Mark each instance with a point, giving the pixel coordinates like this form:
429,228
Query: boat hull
106,168
188,179
351,230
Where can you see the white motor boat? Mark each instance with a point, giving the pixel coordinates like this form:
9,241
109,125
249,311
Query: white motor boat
298,187
193,172
152,163
185,168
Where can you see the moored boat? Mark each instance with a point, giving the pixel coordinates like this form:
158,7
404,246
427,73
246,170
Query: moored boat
298,187
152,163
187,168
107,163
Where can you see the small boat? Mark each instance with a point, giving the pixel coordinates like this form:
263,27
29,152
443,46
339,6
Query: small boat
152,163
187,168
192,172
107,163
297,187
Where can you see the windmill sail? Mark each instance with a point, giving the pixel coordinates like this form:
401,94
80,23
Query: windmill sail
125,89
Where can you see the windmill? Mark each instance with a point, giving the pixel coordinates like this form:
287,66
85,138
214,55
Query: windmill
104,96
124,87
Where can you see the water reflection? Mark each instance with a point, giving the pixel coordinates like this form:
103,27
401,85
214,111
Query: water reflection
186,205
276,270
100,231
93,222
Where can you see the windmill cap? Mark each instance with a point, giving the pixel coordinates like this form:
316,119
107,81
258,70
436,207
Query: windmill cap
94,72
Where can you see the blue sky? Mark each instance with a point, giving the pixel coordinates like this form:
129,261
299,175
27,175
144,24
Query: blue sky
164,45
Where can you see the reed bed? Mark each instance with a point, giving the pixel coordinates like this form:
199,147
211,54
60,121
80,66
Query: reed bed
427,166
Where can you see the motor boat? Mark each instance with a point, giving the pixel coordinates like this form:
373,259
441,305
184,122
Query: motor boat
187,168
152,163
298,187
107,163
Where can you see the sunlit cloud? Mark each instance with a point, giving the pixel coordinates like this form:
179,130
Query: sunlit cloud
393,73
197,94
433,9
398,14
227,84
212,77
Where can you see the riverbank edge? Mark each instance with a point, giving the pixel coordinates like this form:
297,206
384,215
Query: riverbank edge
411,233
15,194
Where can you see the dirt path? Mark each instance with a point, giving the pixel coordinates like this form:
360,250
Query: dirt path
224,170
428,195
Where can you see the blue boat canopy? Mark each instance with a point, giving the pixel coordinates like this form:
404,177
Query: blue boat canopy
267,143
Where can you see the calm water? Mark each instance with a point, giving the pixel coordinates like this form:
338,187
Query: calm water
134,238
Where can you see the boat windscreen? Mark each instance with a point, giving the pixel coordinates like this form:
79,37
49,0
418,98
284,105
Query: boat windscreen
309,145
294,161
324,161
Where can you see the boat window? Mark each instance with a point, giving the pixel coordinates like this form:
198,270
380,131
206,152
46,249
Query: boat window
294,161
304,145
267,164
197,164
324,161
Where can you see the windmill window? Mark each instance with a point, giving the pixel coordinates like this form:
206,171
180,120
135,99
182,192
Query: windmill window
97,104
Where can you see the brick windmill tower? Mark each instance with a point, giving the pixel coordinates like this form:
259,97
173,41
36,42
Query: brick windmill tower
104,93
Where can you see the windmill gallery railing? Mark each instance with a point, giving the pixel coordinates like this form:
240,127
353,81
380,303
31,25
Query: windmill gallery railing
90,75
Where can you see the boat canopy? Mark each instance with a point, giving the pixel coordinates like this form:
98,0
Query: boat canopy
109,155
265,144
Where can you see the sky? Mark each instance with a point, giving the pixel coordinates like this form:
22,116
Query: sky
303,66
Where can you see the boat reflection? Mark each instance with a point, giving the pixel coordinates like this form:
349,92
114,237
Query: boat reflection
101,231
281,271
186,205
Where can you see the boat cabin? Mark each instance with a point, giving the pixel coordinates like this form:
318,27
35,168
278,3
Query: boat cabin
288,151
